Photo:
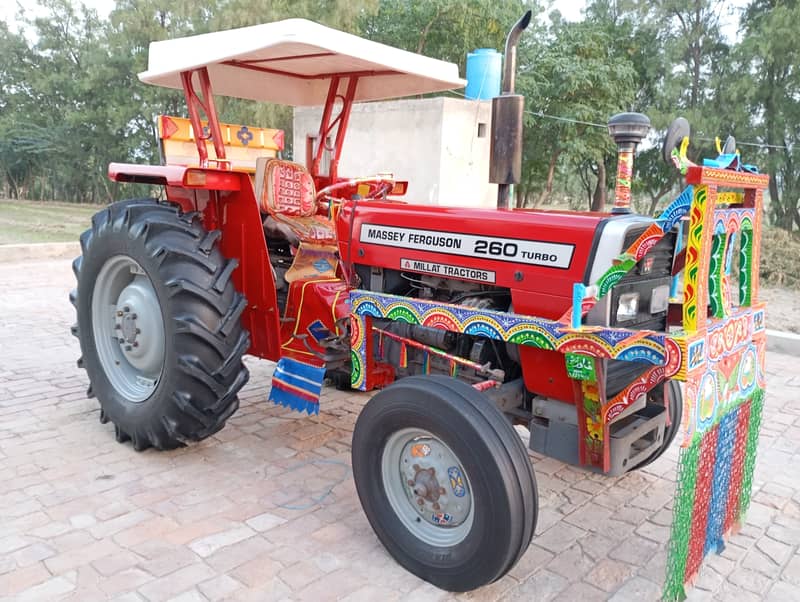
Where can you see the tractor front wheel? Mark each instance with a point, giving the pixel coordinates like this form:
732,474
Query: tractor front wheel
158,324
445,481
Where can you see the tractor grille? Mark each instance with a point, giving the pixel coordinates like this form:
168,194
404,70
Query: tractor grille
653,271
660,255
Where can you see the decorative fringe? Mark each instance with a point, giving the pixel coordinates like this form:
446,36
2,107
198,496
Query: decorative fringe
297,385
403,356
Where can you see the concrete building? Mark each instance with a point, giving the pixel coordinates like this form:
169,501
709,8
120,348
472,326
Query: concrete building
439,145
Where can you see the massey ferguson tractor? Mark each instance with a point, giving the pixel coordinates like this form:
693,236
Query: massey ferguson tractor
469,321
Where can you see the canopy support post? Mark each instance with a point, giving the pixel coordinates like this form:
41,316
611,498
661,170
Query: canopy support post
327,124
195,105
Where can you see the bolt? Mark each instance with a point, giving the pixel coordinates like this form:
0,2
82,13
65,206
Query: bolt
420,501
136,343
127,347
119,314
410,482
134,316
436,506
442,491
138,331
120,340
117,326
126,309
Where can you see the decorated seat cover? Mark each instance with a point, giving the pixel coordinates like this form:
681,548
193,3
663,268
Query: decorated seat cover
290,189
288,194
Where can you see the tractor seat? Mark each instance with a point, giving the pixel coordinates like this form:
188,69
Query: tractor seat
286,192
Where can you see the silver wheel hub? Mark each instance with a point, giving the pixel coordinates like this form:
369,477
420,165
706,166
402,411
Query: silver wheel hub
138,321
427,487
128,328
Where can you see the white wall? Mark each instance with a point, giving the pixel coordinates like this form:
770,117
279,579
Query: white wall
432,143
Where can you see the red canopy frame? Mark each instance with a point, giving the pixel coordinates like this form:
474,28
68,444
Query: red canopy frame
202,105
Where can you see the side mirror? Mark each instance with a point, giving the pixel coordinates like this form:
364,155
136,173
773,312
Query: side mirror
729,147
677,131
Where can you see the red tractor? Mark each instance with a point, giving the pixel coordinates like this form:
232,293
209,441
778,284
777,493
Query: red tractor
467,319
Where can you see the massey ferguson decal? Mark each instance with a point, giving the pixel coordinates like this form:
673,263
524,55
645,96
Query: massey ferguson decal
514,250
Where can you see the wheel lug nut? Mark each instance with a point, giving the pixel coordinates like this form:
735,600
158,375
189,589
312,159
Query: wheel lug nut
117,326
127,347
138,331
410,482
119,314
126,309
420,501
436,506
134,316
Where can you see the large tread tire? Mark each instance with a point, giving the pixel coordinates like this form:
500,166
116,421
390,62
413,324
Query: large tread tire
675,415
201,310
494,458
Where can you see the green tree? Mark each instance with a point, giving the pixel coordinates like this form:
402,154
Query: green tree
16,166
571,73
769,59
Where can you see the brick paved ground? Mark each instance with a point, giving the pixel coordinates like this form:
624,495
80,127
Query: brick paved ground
85,518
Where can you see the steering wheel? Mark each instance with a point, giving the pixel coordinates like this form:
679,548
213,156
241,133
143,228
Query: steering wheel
379,187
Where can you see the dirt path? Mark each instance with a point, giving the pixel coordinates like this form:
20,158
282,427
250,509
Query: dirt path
783,308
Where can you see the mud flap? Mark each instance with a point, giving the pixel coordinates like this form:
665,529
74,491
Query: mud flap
297,385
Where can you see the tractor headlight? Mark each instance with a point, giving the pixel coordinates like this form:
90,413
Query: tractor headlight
628,307
659,299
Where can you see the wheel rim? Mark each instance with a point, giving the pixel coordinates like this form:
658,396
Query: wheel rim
128,328
427,487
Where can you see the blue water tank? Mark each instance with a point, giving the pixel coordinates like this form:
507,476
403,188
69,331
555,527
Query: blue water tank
484,70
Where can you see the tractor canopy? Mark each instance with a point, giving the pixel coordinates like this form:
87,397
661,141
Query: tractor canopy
292,62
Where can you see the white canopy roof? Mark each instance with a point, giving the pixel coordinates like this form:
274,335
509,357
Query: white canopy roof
291,62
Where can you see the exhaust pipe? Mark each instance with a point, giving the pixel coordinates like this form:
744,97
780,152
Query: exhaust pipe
505,151
510,67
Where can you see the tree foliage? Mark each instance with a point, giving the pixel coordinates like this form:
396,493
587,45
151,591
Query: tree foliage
71,102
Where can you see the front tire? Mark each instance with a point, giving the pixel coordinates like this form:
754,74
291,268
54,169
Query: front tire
158,324
445,481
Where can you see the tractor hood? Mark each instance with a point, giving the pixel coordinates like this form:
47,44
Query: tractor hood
517,249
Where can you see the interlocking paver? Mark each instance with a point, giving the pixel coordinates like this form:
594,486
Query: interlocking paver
239,517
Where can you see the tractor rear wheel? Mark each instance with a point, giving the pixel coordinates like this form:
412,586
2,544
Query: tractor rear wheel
158,324
445,481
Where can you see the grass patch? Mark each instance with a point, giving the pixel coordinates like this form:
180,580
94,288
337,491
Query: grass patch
23,222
